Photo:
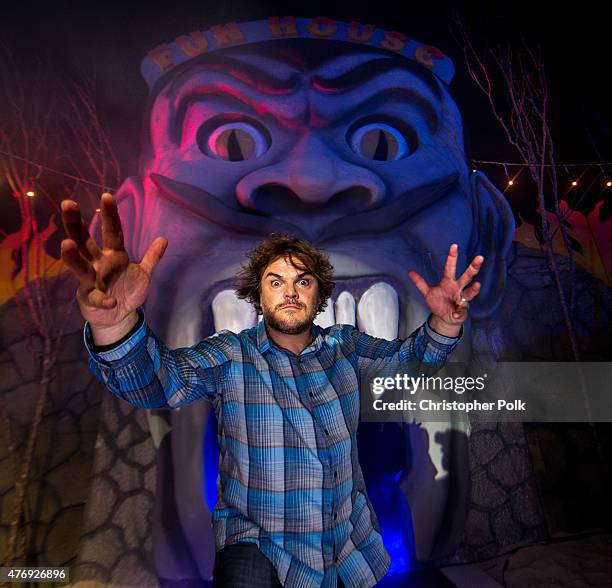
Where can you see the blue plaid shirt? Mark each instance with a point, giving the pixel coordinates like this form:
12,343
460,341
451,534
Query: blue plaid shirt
289,475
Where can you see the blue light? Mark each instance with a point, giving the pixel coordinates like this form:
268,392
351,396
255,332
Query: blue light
210,452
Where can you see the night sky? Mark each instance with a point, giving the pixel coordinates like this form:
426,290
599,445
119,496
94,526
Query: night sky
108,40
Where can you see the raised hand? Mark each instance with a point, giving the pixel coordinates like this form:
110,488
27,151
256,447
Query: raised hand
449,300
111,287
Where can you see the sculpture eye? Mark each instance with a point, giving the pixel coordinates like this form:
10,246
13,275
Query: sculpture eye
379,141
233,141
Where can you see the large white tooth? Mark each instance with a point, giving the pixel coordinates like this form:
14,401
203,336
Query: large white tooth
189,424
345,309
184,330
413,316
185,326
158,427
326,318
232,313
378,311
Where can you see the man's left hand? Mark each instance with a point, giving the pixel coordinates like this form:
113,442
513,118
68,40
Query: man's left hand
449,300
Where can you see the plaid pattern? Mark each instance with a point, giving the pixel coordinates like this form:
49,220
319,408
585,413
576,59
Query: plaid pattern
289,475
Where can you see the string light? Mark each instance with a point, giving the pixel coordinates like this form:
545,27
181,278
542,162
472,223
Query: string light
565,166
41,167
608,184
510,182
574,183
30,194
97,210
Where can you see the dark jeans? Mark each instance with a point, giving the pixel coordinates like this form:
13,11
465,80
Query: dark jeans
243,565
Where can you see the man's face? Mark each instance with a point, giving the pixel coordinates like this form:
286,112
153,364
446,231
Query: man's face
289,297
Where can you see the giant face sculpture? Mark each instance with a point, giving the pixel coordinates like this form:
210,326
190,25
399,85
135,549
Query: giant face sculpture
351,146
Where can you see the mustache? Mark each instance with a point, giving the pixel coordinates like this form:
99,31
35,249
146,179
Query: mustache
298,304
377,220
215,210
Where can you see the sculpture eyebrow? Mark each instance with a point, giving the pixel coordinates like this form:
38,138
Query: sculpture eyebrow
364,72
261,80
198,94
247,73
398,94
407,95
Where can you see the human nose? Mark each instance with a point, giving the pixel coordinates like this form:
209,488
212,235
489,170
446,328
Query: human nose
289,291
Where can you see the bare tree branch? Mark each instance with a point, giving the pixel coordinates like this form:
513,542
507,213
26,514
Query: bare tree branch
59,122
521,107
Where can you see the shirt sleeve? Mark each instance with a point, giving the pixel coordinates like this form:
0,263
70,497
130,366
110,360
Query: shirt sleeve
424,345
143,371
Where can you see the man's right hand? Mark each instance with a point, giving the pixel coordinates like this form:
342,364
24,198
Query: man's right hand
111,287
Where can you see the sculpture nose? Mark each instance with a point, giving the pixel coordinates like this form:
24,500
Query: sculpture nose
312,182
311,171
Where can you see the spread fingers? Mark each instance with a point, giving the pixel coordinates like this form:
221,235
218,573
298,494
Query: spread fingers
77,231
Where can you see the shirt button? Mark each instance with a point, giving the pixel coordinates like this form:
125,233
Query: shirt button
310,394
335,474
326,431
335,516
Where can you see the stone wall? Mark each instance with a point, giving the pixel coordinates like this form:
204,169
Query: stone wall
59,482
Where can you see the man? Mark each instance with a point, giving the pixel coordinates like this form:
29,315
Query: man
292,506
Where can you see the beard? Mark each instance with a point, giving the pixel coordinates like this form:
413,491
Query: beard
287,325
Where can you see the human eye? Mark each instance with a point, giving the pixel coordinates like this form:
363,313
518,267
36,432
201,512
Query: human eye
385,139
233,140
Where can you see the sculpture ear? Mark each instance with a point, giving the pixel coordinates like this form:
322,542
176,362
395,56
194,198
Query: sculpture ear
130,200
492,238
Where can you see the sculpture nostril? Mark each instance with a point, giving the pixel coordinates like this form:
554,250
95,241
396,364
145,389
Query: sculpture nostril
275,199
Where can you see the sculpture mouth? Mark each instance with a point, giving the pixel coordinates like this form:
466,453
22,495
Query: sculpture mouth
378,305
236,218
381,304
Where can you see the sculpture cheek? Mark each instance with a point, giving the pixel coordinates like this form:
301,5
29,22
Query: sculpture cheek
159,129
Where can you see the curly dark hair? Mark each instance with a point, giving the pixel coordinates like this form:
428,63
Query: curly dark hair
290,247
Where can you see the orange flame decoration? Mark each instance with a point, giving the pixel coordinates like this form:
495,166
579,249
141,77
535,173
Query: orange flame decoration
591,239
40,263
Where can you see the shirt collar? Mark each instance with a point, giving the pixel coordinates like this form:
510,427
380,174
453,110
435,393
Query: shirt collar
264,342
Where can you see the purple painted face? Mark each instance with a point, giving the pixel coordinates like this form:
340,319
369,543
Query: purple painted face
362,154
